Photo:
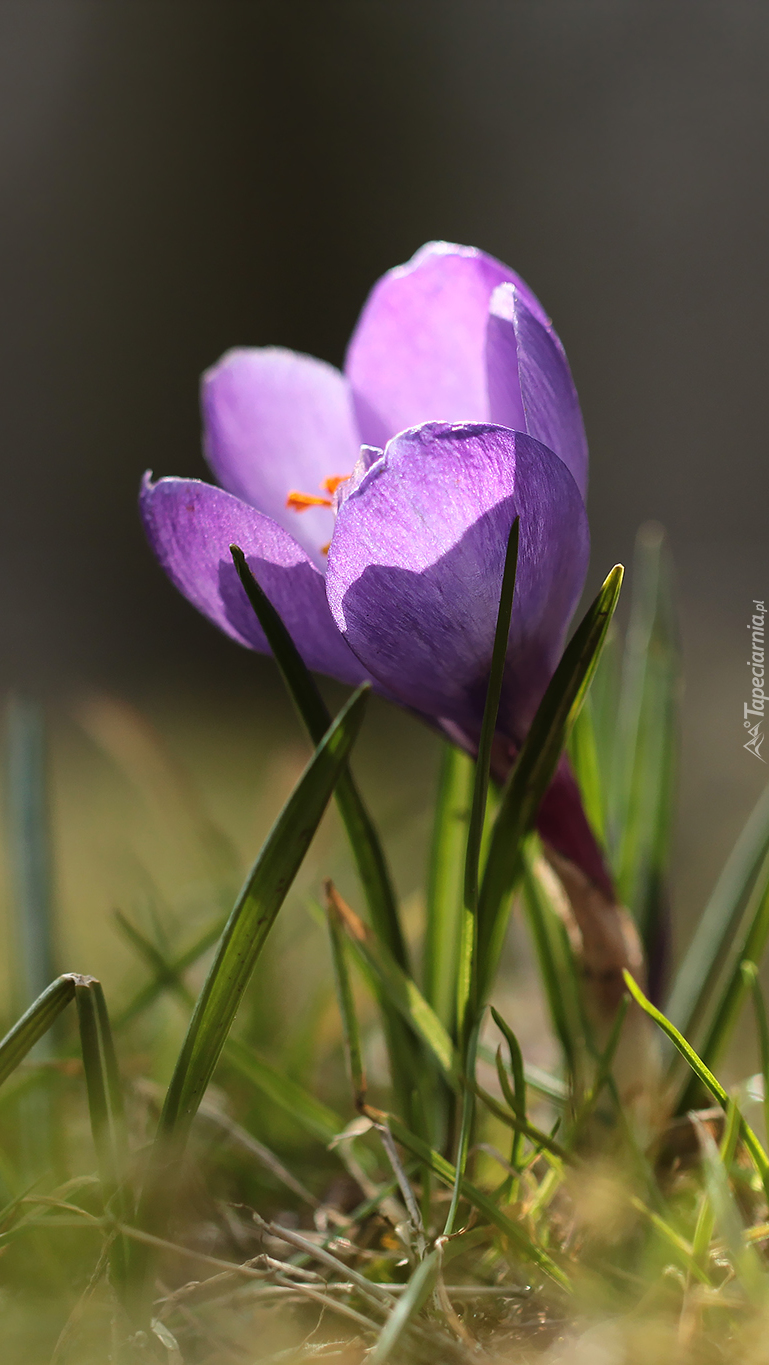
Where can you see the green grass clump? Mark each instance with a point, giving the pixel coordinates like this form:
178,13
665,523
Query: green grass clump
272,1150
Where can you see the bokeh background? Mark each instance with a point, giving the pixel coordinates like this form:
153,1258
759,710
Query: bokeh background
179,177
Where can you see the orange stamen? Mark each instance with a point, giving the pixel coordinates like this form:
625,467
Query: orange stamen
299,502
324,549
333,482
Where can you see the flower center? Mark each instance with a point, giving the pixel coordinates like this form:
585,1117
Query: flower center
299,502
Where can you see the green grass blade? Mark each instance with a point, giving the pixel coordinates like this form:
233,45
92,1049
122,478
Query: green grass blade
446,1173
105,1105
719,922
602,705
603,1074
346,1001
593,739
361,831
364,841
242,941
703,1236
557,968
735,988
164,970
35,1022
726,1214
105,1093
315,1118
414,1297
466,1123
541,1082
703,1074
168,972
505,1086
489,723
445,898
516,1100
534,769
583,752
522,1126
309,1113
672,1238
467,976
253,916
703,1232
750,974
398,988
645,746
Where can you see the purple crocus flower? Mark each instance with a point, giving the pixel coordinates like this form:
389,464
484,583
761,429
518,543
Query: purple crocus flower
374,505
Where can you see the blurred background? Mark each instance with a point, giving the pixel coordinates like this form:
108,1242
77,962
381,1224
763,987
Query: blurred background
178,178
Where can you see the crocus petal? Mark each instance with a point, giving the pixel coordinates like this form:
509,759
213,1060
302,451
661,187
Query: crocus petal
415,568
276,421
529,381
417,353
191,525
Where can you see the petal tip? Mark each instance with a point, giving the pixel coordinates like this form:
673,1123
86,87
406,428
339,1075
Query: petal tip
211,372
508,301
147,487
502,303
429,251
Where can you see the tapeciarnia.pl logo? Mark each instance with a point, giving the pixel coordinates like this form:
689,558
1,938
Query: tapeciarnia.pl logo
755,707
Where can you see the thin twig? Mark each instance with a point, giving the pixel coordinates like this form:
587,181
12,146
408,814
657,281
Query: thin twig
368,1288
342,1308
404,1186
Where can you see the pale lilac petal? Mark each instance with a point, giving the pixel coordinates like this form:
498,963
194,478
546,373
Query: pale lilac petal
191,525
529,380
418,351
415,568
275,421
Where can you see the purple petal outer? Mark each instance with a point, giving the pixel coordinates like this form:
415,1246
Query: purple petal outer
191,525
417,352
275,421
529,381
368,456
415,569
